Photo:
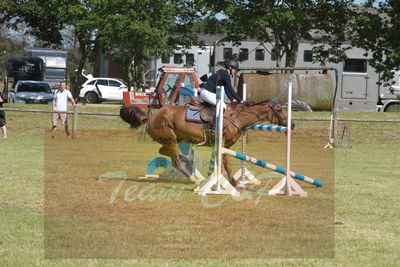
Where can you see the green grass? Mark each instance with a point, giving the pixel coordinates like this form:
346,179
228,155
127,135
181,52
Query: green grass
366,194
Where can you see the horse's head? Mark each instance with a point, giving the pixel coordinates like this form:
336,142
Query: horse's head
263,111
278,114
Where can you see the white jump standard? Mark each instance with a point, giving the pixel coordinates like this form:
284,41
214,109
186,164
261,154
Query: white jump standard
217,183
243,176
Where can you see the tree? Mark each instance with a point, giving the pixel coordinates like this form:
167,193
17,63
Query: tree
378,32
285,23
134,31
43,19
8,47
47,19
131,30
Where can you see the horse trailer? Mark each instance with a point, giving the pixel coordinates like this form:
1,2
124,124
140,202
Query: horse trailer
21,68
56,64
358,84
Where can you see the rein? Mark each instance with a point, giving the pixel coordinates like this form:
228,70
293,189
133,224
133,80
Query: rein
275,113
232,121
260,117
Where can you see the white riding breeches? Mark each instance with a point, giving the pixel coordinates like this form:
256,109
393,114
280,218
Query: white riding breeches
209,97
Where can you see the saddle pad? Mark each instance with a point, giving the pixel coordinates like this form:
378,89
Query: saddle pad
193,115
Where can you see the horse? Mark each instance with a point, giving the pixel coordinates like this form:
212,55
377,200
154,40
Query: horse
168,127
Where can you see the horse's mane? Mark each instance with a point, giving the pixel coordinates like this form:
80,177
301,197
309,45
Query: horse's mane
250,104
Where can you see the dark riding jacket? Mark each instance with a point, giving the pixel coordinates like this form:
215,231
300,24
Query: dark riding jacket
221,78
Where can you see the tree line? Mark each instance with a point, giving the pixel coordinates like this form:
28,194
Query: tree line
135,30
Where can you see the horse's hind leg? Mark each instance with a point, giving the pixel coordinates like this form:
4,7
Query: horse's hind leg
172,150
165,151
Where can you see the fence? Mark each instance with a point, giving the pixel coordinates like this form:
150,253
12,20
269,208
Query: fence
76,113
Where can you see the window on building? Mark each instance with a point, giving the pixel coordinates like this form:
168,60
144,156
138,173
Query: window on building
273,54
165,59
260,54
227,53
243,54
190,60
307,56
355,65
178,58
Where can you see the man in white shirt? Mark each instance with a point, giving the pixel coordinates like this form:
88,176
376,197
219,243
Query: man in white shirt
60,103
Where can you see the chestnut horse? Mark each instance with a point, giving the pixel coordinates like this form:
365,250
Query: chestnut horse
168,127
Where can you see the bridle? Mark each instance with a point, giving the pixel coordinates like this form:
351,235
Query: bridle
271,105
275,112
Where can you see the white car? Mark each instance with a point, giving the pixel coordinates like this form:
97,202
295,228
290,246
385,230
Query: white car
96,90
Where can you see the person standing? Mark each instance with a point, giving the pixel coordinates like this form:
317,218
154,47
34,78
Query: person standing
60,103
221,78
3,119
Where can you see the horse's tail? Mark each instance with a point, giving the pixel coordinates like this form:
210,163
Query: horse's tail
134,116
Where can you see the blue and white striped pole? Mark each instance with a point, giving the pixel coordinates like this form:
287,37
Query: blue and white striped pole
270,128
270,166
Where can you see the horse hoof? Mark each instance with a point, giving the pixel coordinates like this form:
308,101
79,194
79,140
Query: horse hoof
195,180
233,182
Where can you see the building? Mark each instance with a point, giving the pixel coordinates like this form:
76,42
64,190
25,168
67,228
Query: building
358,85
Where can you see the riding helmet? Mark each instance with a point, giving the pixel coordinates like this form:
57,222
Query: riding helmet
232,63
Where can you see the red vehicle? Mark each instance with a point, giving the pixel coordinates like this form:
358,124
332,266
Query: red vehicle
167,90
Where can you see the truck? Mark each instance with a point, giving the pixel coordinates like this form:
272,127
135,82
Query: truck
171,80
56,64
358,84
21,68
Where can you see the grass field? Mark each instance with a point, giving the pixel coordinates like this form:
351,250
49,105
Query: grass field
62,216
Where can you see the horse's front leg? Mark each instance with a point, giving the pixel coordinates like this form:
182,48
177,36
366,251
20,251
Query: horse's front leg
228,169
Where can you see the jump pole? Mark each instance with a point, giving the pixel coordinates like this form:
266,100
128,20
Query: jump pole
217,183
270,128
270,166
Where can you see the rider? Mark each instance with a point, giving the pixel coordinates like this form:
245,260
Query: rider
221,78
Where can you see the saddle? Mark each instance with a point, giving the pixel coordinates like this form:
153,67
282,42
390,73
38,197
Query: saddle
200,112
204,113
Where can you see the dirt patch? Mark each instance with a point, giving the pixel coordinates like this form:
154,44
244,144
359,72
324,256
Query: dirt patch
122,217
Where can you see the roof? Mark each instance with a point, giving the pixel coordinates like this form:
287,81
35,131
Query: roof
43,49
210,39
